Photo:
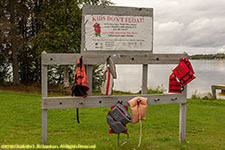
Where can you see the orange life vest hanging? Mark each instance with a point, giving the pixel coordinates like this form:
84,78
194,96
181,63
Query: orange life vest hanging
134,104
184,71
174,85
81,86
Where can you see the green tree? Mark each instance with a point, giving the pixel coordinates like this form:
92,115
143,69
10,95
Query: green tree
60,30
16,30
9,34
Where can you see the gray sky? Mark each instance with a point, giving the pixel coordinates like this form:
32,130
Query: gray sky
192,26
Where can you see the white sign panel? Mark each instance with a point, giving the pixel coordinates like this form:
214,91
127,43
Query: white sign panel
109,32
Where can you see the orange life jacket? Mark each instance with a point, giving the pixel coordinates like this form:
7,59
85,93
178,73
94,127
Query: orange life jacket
81,86
174,85
134,108
184,71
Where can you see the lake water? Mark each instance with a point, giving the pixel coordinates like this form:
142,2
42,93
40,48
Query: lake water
207,72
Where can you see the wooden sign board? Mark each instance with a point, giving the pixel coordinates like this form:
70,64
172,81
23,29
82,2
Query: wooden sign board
117,29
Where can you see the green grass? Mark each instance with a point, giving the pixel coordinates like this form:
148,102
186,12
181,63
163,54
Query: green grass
20,115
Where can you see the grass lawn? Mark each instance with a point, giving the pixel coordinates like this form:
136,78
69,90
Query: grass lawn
20,123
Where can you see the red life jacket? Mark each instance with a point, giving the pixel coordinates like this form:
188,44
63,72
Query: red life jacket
81,86
184,71
187,62
174,85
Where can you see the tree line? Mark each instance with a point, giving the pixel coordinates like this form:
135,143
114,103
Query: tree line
208,56
28,27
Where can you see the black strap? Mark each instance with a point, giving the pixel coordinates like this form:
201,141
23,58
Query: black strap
173,79
77,112
181,88
174,85
79,77
174,90
78,120
81,63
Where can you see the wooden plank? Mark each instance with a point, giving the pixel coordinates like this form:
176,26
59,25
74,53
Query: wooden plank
44,77
213,88
107,101
44,126
182,122
144,89
182,118
91,59
89,75
44,93
221,87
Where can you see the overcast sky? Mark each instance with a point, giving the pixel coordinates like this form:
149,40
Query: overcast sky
192,26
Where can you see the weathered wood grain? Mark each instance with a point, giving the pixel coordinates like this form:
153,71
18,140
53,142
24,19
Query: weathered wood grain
144,89
108,101
91,59
89,75
182,123
44,93
182,118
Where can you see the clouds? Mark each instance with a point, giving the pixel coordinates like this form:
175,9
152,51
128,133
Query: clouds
193,24
169,33
205,32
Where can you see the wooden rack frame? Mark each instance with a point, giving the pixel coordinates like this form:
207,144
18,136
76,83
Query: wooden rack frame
107,101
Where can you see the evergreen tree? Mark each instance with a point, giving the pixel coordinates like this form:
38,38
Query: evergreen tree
60,31
16,30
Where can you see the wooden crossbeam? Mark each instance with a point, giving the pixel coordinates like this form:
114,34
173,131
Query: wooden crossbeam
98,58
108,101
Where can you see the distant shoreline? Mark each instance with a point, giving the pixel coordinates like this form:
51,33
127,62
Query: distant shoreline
208,56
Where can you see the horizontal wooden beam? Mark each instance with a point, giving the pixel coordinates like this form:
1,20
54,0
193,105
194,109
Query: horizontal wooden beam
98,58
221,87
108,101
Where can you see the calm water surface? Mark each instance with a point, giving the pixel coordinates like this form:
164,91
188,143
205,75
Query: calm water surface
207,72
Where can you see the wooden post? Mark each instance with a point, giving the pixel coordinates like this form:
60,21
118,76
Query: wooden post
44,126
44,91
213,88
182,123
144,89
89,75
